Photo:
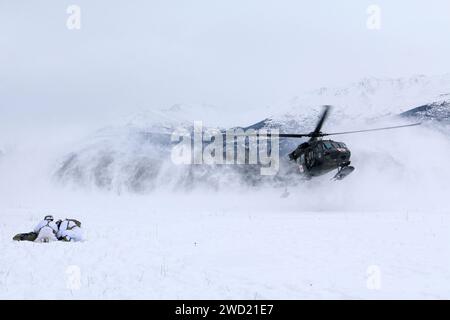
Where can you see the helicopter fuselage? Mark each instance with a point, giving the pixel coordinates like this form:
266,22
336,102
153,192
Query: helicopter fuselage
318,157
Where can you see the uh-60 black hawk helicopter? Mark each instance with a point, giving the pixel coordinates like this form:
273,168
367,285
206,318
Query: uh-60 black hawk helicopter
318,156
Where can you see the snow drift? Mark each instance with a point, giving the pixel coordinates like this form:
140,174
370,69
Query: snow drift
136,158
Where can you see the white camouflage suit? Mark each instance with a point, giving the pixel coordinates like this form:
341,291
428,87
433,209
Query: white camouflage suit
69,231
46,230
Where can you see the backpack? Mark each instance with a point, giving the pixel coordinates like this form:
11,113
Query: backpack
76,222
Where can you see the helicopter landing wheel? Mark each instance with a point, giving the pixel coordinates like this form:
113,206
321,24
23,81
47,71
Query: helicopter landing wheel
343,172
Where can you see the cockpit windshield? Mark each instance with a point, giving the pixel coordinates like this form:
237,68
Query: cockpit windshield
336,145
327,145
330,145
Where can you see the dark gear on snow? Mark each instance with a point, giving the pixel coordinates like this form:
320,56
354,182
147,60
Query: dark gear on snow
30,236
65,239
77,224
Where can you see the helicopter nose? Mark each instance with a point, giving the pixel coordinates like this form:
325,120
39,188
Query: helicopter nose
340,155
344,155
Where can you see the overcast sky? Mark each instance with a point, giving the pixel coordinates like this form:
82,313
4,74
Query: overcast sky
231,53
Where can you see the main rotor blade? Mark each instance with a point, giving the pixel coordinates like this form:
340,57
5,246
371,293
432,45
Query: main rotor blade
323,117
315,135
368,130
292,135
279,135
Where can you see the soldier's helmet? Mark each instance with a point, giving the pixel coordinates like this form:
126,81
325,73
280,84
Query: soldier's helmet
48,218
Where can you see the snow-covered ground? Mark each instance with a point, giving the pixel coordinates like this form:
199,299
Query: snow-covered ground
249,246
383,232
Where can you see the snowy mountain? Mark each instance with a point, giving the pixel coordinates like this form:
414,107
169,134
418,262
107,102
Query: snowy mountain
436,111
374,97
136,157
367,99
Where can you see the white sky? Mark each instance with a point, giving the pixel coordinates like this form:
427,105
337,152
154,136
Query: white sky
230,53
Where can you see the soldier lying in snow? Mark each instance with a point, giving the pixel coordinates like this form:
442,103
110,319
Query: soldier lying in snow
69,230
48,230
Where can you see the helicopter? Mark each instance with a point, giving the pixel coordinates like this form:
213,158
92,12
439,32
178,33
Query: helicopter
315,157
318,156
